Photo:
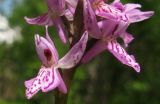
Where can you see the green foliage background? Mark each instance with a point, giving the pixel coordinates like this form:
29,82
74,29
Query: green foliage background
102,81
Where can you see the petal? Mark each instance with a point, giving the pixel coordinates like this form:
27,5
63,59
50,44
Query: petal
51,42
51,80
56,6
62,87
47,79
34,85
95,50
106,11
90,21
127,38
46,52
130,6
118,5
122,55
60,28
29,83
41,20
107,27
72,3
69,15
112,28
75,53
136,15
106,15
95,2
121,27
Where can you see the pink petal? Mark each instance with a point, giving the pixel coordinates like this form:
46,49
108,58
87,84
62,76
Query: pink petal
122,55
34,85
56,7
127,38
51,80
75,53
112,29
95,50
131,6
107,15
121,27
69,15
118,5
60,29
136,15
41,20
90,21
97,1
107,27
51,42
106,11
72,3
62,87
71,7
46,52
29,82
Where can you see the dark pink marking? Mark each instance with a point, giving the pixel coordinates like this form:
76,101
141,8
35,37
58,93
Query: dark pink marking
110,10
130,60
41,73
136,66
39,81
30,92
48,54
52,80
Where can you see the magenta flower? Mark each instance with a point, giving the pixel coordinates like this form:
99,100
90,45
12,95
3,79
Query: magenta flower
115,19
48,77
122,14
56,8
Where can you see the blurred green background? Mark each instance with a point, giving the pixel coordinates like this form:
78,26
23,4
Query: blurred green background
102,81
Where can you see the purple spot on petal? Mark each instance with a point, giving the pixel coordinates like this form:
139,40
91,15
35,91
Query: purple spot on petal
136,66
39,82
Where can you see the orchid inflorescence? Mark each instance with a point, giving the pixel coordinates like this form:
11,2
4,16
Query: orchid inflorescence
100,21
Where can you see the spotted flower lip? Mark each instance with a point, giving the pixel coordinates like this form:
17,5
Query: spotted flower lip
48,77
116,19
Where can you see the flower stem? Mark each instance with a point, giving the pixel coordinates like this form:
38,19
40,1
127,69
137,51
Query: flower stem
77,31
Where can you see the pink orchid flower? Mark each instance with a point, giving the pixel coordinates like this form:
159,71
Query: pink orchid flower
49,77
56,8
113,22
